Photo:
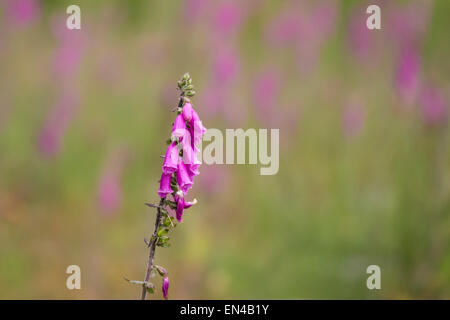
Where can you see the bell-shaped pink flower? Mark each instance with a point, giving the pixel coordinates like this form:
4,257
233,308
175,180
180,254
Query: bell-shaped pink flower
194,163
182,204
170,164
193,170
187,111
165,287
183,178
199,129
190,151
180,208
164,186
179,127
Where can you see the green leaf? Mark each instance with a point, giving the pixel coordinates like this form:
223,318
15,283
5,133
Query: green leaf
147,284
162,231
166,222
169,222
163,241
171,204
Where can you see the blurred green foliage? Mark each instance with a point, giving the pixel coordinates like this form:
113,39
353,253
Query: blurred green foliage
337,205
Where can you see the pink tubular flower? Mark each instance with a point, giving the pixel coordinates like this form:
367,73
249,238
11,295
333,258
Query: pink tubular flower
183,178
187,111
190,151
199,129
179,127
193,169
171,159
165,287
164,186
182,204
180,208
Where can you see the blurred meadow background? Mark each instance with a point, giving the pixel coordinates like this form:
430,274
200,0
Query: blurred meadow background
364,172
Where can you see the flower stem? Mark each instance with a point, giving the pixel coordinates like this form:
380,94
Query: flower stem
152,247
154,238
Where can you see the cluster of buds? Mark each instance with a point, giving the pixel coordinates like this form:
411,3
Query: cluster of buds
186,86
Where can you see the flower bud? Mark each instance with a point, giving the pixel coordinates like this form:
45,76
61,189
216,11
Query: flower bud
162,272
165,287
190,93
187,111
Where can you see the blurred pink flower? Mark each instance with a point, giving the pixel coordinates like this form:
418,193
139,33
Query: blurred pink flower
4,109
213,97
109,191
353,118
407,22
236,111
317,24
225,65
324,17
267,87
109,188
434,107
22,12
227,18
195,9
265,93
214,179
360,38
284,29
68,54
67,59
58,119
408,75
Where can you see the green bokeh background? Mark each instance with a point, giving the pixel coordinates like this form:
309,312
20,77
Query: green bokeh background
337,205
